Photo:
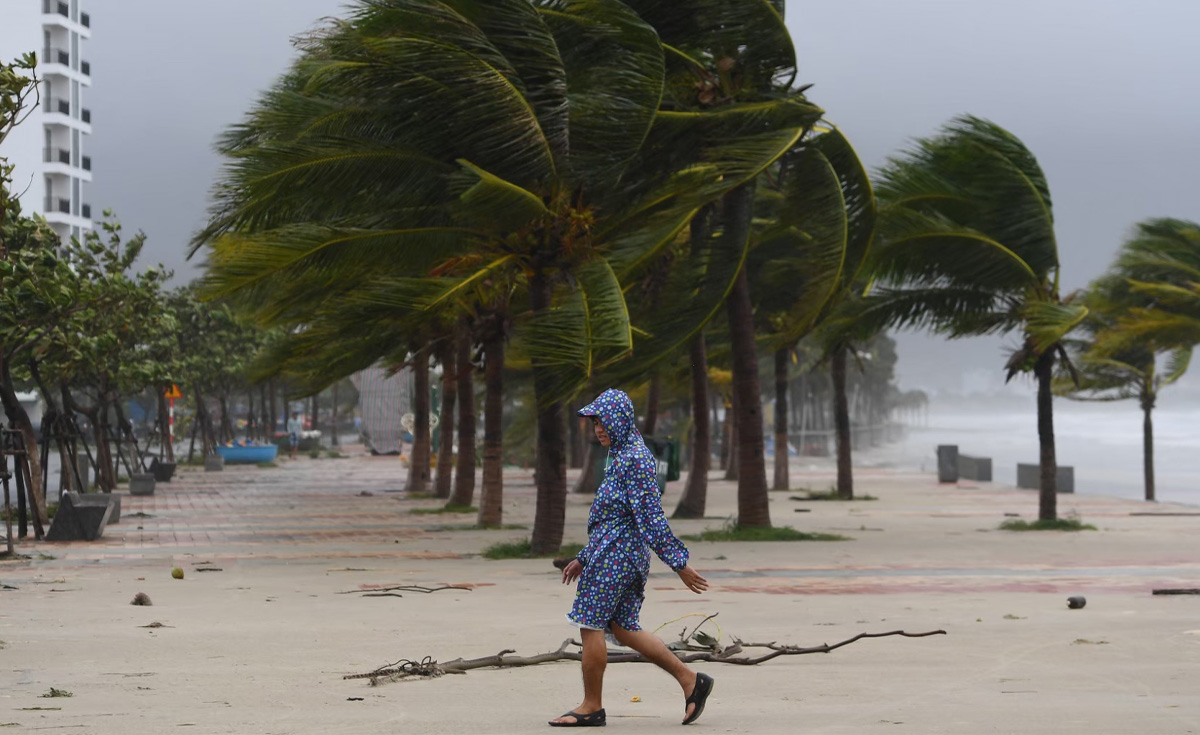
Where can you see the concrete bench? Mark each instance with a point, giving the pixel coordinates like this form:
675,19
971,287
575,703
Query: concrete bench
978,469
947,462
1029,477
80,520
99,500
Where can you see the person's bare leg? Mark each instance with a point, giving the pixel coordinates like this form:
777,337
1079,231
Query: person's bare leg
655,651
595,658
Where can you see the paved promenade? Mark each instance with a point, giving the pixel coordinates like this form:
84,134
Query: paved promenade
260,643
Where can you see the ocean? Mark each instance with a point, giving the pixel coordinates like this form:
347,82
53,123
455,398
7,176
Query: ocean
1102,441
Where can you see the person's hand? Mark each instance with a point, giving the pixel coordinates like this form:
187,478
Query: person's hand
572,571
692,579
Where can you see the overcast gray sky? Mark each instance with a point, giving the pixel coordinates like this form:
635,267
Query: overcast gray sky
1103,91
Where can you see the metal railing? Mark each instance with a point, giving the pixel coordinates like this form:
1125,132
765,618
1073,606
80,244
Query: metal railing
56,56
85,20
86,115
61,106
50,7
56,155
86,209
86,68
87,163
56,204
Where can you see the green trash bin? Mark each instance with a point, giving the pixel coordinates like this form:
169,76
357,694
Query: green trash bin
666,450
599,457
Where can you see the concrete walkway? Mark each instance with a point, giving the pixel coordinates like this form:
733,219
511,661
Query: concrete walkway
261,645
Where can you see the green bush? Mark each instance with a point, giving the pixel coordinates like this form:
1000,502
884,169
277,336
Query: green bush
448,508
775,533
523,549
1058,524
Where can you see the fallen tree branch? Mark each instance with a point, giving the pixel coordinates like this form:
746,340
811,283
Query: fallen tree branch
428,668
378,591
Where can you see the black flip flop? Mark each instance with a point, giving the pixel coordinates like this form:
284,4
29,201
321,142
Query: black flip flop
704,687
592,719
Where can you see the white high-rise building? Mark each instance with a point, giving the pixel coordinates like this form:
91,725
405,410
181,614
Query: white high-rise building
53,170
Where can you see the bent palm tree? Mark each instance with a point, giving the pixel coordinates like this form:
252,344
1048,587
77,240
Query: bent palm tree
1147,306
421,151
967,247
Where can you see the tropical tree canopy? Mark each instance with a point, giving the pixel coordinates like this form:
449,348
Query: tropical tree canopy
420,156
967,243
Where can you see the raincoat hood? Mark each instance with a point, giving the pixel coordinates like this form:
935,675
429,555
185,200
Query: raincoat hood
615,410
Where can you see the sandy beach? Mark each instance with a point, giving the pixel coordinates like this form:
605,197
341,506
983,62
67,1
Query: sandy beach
261,645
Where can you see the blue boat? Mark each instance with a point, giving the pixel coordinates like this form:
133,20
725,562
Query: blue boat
249,455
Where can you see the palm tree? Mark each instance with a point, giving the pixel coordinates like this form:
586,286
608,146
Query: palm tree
1138,312
508,143
819,225
967,247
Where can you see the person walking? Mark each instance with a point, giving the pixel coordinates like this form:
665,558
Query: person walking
625,522
295,427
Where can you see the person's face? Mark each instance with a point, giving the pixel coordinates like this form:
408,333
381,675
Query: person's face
601,434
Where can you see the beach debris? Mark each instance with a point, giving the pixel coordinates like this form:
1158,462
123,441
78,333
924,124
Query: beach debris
156,624
209,569
1178,591
635,699
1010,616
141,598
688,649
366,494
371,591
354,699
52,692
1076,603
177,573
1086,642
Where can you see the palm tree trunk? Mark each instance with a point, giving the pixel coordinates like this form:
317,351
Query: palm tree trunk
695,492
841,421
551,474
781,419
464,471
273,424
575,438
1148,443
491,497
419,461
1048,493
446,355
265,413
753,510
652,399
20,420
333,419
731,439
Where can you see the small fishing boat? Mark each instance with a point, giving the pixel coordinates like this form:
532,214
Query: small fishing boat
253,454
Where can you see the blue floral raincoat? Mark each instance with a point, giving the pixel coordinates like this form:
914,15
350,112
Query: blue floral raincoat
625,523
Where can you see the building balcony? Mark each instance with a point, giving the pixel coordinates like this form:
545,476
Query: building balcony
86,211
62,107
56,155
52,7
58,13
56,61
57,205
87,163
86,115
85,68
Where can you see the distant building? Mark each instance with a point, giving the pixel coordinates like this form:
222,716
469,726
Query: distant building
53,170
